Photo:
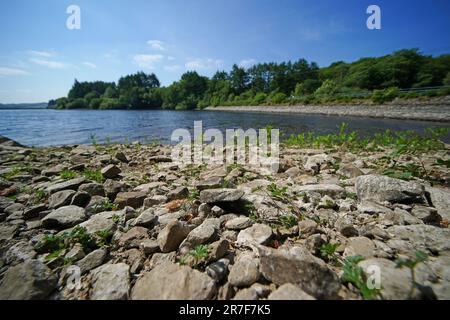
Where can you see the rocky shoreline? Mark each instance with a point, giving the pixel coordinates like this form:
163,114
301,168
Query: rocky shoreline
437,109
136,226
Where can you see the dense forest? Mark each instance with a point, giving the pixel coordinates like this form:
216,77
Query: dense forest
379,79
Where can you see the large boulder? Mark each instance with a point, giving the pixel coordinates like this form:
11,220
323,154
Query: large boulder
220,195
169,281
110,282
297,266
172,235
245,271
64,217
72,184
257,234
381,188
60,199
30,280
130,199
440,199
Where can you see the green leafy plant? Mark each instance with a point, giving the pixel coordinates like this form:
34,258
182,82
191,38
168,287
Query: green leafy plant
67,174
355,275
104,237
411,264
106,205
94,175
328,252
94,139
193,195
288,220
199,252
278,193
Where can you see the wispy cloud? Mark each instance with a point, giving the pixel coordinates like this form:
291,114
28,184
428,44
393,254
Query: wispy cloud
170,58
4,72
90,65
157,45
246,63
147,61
204,64
172,68
45,54
49,63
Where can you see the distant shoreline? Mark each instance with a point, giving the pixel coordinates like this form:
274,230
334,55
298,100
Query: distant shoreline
413,111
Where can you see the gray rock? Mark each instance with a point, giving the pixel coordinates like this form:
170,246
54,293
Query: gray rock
247,294
297,266
92,260
204,233
382,188
100,221
239,223
331,190
395,282
149,246
360,246
7,231
317,162
371,207
220,195
172,235
130,199
423,237
307,228
29,280
210,183
33,212
110,282
133,237
111,171
15,207
64,217
112,188
256,234
178,193
72,184
427,215
81,199
154,201
20,252
146,219
288,291
60,199
169,281
245,271
93,189
122,157
350,170
441,201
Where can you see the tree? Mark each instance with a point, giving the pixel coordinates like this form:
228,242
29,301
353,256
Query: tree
239,79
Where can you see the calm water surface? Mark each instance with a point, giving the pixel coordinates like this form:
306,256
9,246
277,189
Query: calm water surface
58,127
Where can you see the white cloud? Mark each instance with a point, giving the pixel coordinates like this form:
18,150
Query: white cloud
170,58
157,45
204,64
246,63
12,72
147,61
45,54
172,68
90,65
49,63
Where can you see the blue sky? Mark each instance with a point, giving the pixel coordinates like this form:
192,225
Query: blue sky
40,57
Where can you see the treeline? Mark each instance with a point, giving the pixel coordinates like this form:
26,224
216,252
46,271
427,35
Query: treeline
269,83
